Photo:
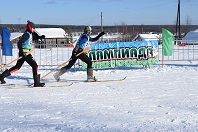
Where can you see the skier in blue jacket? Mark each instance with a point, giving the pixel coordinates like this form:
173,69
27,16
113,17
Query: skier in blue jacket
82,42
24,46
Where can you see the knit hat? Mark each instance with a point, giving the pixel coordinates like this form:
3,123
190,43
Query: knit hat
30,26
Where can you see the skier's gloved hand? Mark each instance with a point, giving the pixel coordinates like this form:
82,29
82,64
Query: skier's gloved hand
79,50
74,57
101,34
24,55
43,36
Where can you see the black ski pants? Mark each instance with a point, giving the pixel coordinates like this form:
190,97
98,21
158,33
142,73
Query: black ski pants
29,59
82,56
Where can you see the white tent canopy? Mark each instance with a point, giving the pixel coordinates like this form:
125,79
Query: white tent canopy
192,35
48,32
147,37
51,32
15,35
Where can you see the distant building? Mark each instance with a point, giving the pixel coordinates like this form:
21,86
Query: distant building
14,37
107,37
52,36
51,32
192,35
147,37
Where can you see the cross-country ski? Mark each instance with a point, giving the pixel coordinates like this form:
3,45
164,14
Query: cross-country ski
111,80
18,86
95,80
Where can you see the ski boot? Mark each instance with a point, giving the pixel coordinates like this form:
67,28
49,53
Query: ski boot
59,73
37,82
3,75
90,77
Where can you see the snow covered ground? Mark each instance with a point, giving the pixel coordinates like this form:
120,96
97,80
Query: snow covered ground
155,99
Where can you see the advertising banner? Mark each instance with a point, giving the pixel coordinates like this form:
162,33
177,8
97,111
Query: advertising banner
110,55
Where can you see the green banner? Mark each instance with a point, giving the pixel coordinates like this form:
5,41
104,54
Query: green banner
167,42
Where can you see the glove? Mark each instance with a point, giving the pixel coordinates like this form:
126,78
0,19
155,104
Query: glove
74,57
79,50
101,34
75,53
43,36
24,55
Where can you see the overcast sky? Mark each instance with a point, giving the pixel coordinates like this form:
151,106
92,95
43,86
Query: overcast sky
88,12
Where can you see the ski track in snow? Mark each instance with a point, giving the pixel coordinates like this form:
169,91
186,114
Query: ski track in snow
156,99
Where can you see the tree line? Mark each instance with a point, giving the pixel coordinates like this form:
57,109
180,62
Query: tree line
124,29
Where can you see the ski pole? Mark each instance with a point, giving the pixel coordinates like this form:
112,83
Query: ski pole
85,50
15,60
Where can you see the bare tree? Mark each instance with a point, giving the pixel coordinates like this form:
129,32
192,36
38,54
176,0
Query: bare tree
187,26
188,20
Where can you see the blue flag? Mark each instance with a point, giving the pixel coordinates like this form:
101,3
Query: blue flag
6,43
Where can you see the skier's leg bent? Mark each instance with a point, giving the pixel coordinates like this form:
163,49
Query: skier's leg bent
65,68
11,70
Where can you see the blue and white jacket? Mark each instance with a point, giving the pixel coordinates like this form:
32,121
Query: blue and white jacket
84,41
24,44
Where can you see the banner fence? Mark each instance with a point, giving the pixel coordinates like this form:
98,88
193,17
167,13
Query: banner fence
110,55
